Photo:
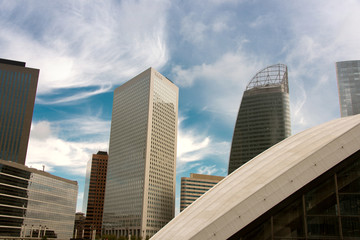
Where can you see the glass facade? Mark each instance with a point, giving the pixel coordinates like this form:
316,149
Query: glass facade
326,208
348,78
140,188
264,116
17,96
35,204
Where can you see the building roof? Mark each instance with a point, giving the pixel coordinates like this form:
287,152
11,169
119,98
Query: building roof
271,76
265,181
33,170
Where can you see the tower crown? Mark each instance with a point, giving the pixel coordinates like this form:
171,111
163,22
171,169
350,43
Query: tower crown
271,76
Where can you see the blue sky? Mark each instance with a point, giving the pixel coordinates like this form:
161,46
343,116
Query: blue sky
210,49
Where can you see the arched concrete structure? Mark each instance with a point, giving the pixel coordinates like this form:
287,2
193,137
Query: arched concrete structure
265,181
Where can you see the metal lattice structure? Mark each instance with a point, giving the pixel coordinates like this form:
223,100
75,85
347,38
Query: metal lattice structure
270,76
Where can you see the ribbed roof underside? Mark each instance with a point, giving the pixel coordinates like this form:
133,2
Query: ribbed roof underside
265,181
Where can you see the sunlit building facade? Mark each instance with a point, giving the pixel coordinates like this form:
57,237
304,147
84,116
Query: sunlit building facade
305,187
264,115
17,97
140,187
195,186
348,79
35,204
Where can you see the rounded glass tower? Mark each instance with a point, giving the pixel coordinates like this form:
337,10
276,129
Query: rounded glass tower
264,115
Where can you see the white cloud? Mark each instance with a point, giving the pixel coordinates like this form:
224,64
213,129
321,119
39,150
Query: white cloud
79,44
222,82
46,148
193,146
208,170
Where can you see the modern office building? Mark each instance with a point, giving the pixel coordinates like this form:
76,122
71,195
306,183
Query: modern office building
17,97
264,115
140,186
348,78
195,186
305,187
34,204
95,191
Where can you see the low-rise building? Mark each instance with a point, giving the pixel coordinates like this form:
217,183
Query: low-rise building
34,203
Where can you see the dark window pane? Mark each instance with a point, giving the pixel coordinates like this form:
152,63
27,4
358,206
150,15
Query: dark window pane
349,204
289,222
262,232
350,226
322,199
320,226
349,179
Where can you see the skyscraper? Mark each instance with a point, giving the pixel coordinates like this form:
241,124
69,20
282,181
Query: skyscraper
195,186
264,115
348,78
95,192
17,97
140,187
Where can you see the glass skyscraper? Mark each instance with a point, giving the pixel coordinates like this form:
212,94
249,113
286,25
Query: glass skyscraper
17,97
140,185
264,115
348,78
35,204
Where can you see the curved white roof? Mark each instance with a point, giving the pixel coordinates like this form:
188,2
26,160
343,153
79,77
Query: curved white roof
265,181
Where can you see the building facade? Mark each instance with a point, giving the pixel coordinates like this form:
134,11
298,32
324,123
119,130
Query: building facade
79,225
264,115
305,187
34,203
140,186
17,97
96,192
348,79
195,186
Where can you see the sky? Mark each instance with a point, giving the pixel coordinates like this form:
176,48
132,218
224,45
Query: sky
209,48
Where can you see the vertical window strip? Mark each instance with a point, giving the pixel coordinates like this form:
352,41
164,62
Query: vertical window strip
8,114
13,137
17,110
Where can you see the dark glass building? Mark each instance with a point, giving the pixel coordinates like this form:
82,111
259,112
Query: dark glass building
348,78
17,96
264,115
95,184
34,204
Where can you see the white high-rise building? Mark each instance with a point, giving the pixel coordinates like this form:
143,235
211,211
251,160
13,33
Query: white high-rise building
140,187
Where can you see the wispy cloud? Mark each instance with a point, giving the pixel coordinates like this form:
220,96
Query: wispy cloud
79,45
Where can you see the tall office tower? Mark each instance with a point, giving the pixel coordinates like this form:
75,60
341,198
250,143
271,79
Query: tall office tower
35,204
348,78
264,115
17,96
94,194
195,186
140,186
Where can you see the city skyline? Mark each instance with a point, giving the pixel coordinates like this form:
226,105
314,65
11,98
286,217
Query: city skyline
210,51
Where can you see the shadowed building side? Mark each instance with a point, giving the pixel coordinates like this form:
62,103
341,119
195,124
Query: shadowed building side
17,97
264,115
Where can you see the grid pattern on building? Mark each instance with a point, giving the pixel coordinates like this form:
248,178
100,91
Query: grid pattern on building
34,203
195,186
140,191
161,185
348,78
96,192
17,96
263,120
327,208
